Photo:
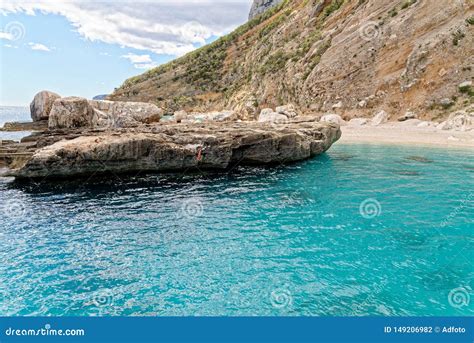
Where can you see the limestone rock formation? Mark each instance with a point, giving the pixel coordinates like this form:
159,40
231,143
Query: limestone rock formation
359,56
70,112
76,112
333,118
174,147
260,6
124,114
380,118
41,105
268,115
458,121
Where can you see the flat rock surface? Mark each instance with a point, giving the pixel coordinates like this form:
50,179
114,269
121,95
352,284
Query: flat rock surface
177,147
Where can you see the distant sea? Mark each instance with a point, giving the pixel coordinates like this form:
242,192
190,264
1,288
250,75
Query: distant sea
14,114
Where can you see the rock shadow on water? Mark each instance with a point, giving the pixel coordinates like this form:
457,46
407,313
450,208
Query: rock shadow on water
341,157
406,172
419,159
468,167
444,279
409,240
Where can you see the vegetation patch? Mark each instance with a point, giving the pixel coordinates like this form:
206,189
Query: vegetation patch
332,7
275,62
408,3
470,20
457,36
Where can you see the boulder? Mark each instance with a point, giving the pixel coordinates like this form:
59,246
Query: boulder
218,116
70,112
408,115
267,115
337,105
178,116
458,121
124,114
288,110
380,118
333,118
446,102
41,105
178,147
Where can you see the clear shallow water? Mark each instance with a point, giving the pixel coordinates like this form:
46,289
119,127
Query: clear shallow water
290,240
14,114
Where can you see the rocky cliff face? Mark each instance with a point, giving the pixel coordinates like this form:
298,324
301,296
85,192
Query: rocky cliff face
260,6
351,57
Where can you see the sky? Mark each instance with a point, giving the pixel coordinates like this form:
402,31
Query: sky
87,47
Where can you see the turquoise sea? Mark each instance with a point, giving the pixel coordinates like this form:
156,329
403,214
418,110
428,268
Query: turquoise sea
14,114
362,230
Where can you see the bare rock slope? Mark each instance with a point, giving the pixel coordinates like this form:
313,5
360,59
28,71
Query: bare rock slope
351,57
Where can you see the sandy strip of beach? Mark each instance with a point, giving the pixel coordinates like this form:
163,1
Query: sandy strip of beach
394,133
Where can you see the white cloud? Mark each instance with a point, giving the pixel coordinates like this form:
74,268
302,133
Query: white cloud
162,27
6,36
140,61
137,58
10,46
38,46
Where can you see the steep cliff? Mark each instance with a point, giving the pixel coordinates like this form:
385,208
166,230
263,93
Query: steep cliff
260,6
352,57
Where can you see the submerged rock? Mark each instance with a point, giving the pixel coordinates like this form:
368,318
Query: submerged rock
41,105
178,147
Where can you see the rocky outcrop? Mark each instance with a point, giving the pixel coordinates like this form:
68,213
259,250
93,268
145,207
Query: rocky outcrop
41,105
333,118
70,113
268,115
260,6
458,121
380,118
76,112
175,147
124,114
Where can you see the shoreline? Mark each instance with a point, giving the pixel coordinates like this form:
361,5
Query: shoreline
393,134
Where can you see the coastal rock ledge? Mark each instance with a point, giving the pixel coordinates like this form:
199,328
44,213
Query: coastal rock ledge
177,147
